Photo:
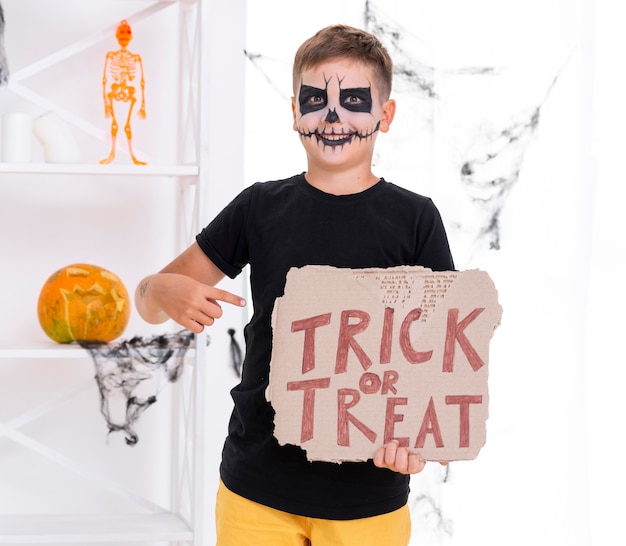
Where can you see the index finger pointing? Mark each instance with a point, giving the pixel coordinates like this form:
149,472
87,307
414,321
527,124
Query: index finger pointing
228,297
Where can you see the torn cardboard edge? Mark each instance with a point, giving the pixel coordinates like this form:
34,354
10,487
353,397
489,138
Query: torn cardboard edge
363,356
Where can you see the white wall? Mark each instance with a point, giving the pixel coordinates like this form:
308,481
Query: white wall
556,366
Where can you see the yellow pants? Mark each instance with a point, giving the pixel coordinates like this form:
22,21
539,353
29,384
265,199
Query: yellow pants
241,522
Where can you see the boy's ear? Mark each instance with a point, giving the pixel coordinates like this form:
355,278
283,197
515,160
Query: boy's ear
389,111
293,111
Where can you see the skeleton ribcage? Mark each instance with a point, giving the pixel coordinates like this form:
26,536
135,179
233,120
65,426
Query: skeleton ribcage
123,66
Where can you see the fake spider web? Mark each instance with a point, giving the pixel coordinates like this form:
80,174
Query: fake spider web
131,373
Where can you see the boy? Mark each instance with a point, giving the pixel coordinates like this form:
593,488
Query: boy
336,213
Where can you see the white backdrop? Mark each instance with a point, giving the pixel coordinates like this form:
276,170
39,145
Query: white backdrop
510,118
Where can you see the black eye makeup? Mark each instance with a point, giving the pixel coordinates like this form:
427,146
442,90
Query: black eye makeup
312,99
356,99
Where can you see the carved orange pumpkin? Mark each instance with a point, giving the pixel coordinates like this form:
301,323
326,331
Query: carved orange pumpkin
83,302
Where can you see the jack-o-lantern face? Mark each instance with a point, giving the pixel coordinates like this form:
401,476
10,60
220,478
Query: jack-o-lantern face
83,302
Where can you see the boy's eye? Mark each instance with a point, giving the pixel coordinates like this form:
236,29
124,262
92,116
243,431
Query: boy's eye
353,99
312,99
356,99
315,100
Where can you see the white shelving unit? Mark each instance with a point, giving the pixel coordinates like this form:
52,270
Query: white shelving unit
151,523
172,171
71,529
183,517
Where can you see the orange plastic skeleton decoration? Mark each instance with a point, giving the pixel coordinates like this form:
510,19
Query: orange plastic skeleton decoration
120,69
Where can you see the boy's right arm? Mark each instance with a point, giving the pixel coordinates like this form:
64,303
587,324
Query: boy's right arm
184,291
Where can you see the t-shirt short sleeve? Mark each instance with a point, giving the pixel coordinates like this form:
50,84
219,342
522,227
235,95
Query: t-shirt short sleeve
433,246
225,239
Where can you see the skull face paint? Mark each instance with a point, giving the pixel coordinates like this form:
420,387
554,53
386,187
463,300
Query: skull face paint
313,99
337,106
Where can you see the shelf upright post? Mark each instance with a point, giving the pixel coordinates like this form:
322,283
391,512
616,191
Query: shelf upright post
221,159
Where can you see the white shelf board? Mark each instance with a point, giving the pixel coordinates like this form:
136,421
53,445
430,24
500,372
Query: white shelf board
64,529
49,349
42,349
97,169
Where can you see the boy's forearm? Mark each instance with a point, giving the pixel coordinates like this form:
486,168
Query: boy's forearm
145,304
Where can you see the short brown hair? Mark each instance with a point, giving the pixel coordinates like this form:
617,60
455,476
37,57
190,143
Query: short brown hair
343,41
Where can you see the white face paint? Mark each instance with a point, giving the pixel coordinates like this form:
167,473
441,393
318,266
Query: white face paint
338,112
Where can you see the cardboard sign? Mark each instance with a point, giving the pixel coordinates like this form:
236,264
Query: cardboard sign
364,356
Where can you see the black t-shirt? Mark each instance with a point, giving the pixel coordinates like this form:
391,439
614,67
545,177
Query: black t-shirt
273,226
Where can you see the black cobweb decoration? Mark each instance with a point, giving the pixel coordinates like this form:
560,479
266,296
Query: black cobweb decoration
129,375
236,357
4,66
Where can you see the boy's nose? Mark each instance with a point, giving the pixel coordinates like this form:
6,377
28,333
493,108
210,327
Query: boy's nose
332,116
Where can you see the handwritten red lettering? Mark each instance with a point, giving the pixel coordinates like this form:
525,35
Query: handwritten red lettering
346,341
413,356
344,418
353,322
369,383
390,378
391,418
464,425
308,406
454,332
430,425
386,337
309,325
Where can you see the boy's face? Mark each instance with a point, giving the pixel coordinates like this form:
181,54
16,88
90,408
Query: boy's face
338,112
